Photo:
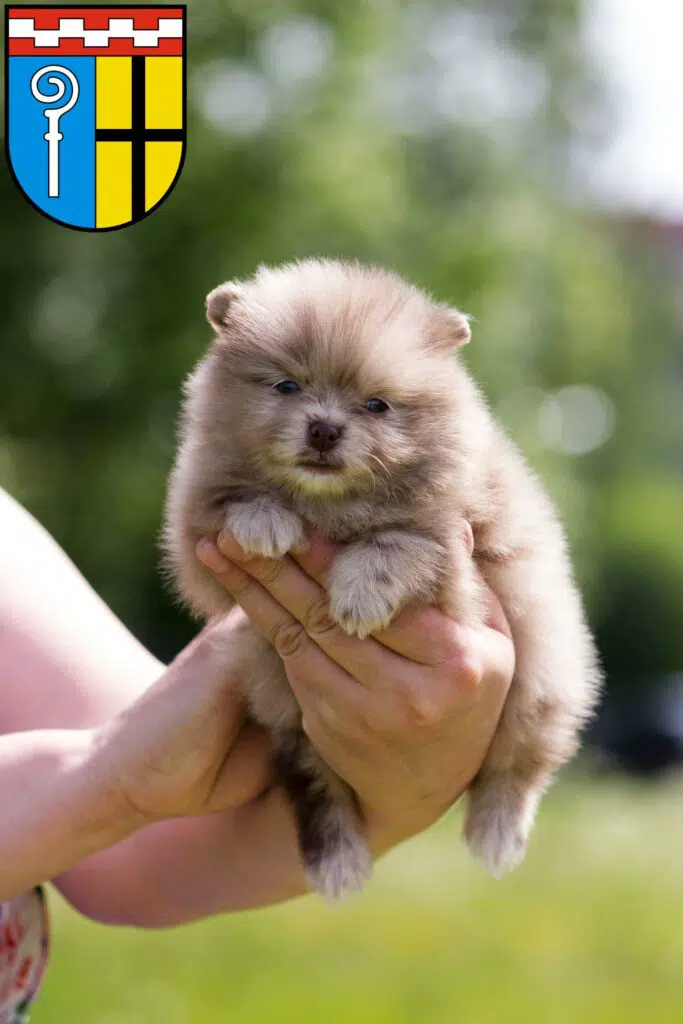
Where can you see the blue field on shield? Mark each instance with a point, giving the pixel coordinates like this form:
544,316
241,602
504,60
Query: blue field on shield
28,149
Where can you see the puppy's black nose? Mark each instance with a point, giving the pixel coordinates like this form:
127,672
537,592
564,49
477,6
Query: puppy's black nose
323,436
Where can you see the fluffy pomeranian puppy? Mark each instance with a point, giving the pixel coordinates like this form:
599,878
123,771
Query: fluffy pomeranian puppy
334,395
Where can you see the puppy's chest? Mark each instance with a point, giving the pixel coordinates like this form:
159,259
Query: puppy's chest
346,521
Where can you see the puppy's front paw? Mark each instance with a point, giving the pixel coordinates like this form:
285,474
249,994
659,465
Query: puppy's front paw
262,528
363,598
361,609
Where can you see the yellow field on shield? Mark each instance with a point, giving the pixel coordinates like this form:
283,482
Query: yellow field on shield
164,92
161,94
163,161
113,92
114,184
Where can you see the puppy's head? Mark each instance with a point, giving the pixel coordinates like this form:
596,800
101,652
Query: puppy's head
340,377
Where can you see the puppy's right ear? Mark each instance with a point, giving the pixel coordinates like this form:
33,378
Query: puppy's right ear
219,301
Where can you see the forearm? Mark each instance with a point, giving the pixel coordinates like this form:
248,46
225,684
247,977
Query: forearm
66,661
178,871
58,806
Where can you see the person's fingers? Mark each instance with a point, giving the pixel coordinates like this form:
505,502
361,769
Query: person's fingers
495,651
288,636
495,617
317,558
177,689
269,616
420,634
319,555
263,585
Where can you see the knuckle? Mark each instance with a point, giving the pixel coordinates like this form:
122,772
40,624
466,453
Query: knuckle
289,639
466,670
318,620
425,713
438,632
454,641
266,570
420,707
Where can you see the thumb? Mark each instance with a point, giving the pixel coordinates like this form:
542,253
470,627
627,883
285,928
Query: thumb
467,536
247,771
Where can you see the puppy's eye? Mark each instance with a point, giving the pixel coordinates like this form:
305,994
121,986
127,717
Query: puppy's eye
376,405
287,387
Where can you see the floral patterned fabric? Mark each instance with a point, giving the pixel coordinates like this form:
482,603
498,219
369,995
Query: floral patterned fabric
23,954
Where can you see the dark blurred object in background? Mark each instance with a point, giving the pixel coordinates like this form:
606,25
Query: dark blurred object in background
640,729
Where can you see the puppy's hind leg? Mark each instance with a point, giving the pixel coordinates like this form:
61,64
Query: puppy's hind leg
500,816
553,694
538,732
333,847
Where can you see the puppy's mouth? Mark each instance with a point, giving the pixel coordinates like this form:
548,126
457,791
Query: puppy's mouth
315,474
319,467
319,463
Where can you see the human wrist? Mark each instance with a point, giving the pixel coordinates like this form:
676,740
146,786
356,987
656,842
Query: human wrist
110,814
59,805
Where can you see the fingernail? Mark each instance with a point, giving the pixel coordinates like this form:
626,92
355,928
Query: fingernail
228,546
210,556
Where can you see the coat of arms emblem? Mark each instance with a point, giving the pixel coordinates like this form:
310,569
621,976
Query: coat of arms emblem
95,110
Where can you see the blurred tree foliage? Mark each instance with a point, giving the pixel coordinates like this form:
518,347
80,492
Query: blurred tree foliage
432,137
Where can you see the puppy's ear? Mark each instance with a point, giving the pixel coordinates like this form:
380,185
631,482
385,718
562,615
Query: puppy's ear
459,327
218,303
450,330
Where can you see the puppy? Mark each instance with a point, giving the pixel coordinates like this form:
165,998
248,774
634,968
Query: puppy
334,395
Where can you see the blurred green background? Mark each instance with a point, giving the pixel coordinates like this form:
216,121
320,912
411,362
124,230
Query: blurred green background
587,929
444,140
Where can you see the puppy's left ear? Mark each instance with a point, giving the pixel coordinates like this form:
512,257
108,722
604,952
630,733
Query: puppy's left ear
450,330
459,327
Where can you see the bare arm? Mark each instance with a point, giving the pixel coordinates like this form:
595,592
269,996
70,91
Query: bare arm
68,669
121,749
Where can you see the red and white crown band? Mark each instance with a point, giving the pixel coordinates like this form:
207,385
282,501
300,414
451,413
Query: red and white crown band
93,31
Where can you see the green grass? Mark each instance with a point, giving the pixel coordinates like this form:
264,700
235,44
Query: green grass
589,930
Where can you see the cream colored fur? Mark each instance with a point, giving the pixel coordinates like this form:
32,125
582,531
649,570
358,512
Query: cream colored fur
403,482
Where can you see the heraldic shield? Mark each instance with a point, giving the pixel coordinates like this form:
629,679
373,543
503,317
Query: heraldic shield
95,110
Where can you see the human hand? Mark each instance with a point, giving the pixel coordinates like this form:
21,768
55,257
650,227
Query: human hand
406,715
183,748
